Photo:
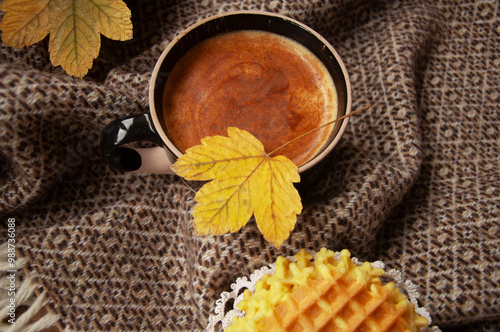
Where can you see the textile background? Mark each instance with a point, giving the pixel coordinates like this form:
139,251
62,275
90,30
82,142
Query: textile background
414,182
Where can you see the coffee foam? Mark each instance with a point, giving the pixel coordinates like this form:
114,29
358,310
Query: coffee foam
264,83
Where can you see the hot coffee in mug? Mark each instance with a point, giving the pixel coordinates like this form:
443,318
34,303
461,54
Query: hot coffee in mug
261,72
264,83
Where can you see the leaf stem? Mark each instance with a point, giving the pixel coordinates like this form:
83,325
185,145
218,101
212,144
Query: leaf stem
320,127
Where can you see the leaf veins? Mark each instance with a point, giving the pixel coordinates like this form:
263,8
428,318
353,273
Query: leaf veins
74,27
244,181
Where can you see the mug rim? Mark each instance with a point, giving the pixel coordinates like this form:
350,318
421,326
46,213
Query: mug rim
152,84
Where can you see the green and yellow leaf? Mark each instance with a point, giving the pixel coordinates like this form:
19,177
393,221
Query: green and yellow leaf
74,26
244,181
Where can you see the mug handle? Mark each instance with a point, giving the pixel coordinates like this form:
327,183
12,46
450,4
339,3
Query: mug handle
132,129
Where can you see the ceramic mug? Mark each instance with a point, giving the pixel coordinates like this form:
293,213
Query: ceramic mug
148,126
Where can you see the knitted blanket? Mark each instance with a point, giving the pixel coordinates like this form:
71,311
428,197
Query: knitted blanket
414,182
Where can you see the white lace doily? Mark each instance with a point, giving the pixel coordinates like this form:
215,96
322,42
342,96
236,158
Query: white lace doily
225,311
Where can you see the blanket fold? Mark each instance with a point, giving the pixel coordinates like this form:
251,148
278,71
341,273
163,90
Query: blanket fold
414,182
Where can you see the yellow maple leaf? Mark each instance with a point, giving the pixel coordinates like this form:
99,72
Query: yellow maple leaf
244,181
75,28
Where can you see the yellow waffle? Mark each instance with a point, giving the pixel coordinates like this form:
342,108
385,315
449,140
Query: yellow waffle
325,295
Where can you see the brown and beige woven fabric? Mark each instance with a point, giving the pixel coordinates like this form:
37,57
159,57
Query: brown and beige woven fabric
414,182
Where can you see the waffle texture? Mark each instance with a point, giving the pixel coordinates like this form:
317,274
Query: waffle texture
325,295
414,182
